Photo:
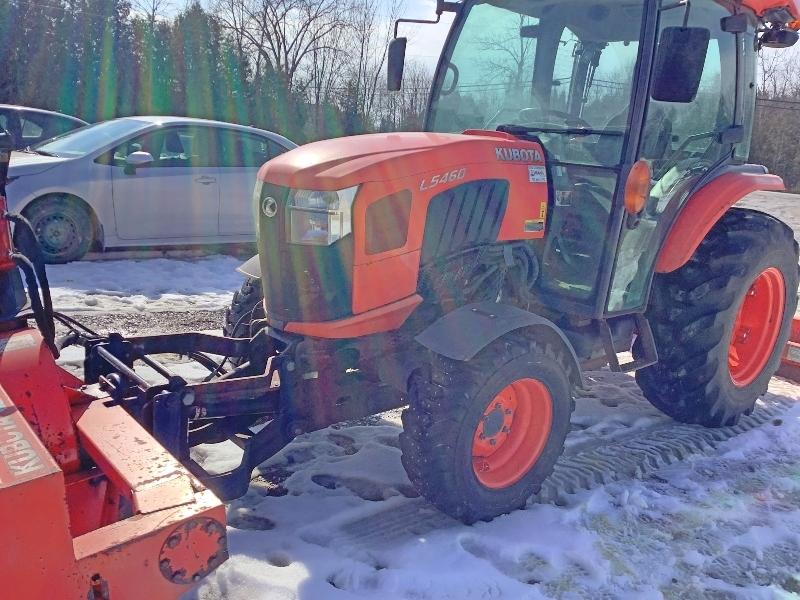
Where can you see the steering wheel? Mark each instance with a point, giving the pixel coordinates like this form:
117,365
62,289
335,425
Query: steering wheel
571,120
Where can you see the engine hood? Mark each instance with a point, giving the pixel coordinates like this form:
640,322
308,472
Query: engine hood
28,163
344,162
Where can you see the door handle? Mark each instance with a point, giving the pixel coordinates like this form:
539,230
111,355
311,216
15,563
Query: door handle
205,179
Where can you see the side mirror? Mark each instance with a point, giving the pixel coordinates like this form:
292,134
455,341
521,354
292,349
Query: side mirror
395,62
138,159
679,63
778,38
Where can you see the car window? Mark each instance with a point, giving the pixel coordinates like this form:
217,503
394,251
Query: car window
31,129
173,147
239,149
91,137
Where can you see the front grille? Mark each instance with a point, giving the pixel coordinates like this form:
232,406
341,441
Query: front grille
467,215
301,283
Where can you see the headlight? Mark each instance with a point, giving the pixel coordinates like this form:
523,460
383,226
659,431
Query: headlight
320,218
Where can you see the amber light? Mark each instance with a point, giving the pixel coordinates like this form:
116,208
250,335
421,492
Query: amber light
794,24
637,187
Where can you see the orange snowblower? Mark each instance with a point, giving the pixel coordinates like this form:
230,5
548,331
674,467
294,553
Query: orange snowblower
91,506
790,359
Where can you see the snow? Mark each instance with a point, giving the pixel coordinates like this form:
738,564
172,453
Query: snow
158,284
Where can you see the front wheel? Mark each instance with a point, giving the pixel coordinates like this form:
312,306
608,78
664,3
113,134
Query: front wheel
480,437
63,227
721,321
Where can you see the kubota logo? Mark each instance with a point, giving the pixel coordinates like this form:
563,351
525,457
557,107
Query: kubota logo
269,207
518,154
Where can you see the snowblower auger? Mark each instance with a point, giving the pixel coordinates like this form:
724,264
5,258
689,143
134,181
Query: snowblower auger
91,505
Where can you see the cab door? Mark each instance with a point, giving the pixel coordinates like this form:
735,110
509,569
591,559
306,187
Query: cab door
177,194
681,142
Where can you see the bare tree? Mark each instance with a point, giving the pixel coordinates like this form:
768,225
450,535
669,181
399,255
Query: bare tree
152,9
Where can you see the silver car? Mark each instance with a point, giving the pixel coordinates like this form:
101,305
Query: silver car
141,181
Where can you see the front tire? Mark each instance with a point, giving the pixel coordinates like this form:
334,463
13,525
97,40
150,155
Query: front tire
721,321
480,437
63,227
247,305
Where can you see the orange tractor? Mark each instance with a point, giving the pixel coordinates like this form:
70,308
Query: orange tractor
571,200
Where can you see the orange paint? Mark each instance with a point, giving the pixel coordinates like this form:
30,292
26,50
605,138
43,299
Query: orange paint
385,318
703,209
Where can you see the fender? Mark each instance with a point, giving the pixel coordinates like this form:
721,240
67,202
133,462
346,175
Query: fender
465,331
704,208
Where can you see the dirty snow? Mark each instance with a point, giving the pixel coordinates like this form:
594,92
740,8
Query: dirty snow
145,285
334,516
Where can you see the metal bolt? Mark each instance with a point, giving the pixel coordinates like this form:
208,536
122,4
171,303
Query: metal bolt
173,541
506,430
482,436
493,442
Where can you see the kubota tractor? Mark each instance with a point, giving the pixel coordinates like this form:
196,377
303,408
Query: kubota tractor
585,210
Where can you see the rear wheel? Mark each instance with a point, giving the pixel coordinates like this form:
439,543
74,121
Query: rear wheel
480,437
63,226
721,321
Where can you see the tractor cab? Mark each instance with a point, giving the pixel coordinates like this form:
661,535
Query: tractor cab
622,95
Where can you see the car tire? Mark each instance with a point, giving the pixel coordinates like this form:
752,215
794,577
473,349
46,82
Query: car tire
63,226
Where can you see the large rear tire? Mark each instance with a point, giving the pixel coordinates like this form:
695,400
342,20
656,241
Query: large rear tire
480,437
721,321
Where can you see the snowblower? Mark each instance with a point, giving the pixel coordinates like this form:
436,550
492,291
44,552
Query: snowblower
92,506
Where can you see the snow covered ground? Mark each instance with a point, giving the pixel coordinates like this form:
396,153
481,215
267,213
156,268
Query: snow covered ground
156,284
334,515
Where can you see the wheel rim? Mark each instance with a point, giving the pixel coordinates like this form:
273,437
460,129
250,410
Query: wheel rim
756,328
56,233
512,433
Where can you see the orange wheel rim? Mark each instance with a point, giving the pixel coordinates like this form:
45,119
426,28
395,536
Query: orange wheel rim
512,433
756,328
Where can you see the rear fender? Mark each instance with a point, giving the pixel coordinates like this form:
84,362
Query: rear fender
704,208
465,331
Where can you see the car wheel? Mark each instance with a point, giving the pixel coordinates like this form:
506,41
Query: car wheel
63,227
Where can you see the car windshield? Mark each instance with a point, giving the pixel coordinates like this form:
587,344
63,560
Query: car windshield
80,142
561,70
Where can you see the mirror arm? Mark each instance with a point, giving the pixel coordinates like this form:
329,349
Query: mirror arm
441,7
424,21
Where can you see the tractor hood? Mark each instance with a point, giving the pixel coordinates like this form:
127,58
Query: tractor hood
344,162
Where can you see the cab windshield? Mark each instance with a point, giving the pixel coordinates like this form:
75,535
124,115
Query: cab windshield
562,70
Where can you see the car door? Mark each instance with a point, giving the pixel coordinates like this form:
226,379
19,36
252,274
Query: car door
241,156
174,196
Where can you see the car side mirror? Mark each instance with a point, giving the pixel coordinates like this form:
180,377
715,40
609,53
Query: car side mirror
135,160
395,63
680,59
